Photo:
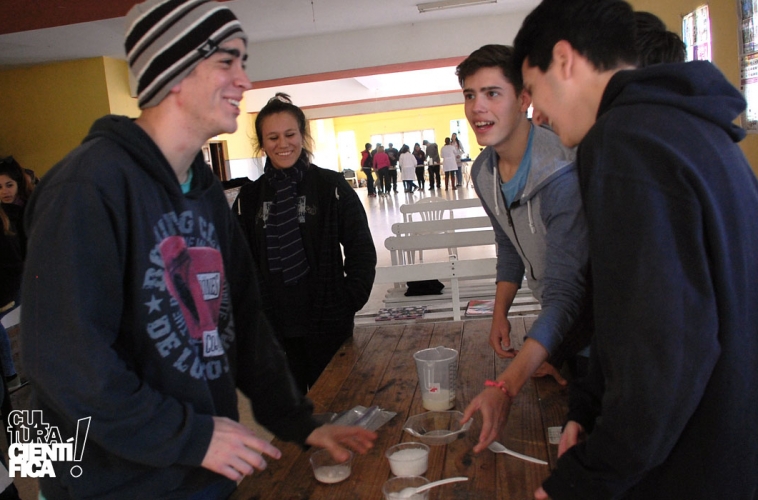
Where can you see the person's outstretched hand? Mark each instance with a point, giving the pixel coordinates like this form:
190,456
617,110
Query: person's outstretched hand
546,369
494,406
235,451
336,438
500,338
540,494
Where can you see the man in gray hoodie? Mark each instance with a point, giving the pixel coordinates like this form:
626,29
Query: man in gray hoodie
528,185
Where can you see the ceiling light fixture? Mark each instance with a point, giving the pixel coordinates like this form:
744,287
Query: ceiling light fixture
449,4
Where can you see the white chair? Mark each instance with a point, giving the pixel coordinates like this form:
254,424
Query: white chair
434,213
350,177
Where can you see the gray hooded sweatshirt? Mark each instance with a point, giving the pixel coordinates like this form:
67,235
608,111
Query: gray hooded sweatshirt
543,233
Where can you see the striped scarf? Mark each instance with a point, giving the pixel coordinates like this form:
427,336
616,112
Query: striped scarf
283,238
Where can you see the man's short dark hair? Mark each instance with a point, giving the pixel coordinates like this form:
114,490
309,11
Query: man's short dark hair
602,31
655,44
491,56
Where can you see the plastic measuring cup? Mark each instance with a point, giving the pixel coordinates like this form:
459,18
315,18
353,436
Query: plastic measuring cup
437,371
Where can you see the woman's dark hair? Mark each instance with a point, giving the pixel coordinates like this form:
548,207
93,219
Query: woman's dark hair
404,149
417,145
367,146
10,167
282,103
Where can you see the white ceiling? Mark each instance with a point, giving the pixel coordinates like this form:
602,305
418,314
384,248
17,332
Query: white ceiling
270,20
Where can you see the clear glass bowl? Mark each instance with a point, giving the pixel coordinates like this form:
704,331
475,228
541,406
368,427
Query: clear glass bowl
437,427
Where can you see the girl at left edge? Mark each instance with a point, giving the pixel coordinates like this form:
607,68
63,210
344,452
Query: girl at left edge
15,190
298,218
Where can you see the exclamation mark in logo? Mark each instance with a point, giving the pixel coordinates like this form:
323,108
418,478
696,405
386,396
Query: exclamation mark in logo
82,429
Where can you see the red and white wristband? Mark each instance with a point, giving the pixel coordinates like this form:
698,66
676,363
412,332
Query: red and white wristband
500,385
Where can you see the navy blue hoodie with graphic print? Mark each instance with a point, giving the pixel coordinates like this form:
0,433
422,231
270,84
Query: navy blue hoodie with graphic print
141,311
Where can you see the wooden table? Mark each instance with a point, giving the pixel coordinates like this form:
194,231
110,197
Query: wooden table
376,367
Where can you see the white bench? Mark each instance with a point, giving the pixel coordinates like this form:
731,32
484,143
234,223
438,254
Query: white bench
417,208
405,229
454,298
402,248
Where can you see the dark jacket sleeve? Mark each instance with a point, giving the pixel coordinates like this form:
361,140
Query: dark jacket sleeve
360,253
262,371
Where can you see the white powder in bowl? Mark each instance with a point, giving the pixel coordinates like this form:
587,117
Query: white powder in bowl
332,473
409,462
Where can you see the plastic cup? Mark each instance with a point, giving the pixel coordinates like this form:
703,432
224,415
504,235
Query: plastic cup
393,487
408,459
329,471
437,372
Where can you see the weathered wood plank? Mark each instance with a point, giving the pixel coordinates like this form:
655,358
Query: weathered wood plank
522,433
461,461
396,391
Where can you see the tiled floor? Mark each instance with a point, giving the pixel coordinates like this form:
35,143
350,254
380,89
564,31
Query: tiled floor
382,212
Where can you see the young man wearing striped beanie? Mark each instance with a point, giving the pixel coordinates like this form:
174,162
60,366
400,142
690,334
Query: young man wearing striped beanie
141,307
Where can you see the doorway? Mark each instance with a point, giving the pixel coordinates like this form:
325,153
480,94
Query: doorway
215,157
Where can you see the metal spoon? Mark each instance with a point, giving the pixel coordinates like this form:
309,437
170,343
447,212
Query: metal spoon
496,447
409,492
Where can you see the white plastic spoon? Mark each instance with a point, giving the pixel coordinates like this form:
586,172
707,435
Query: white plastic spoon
496,447
409,492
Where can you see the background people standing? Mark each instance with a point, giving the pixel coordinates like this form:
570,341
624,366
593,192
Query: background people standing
408,168
382,167
367,167
456,143
420,156
432,152
393,155
449,163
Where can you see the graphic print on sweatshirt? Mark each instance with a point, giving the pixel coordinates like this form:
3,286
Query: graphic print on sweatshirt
187,300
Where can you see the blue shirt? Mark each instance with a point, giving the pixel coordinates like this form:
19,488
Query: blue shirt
513,187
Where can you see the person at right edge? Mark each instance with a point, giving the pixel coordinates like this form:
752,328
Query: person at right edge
668,407
529,188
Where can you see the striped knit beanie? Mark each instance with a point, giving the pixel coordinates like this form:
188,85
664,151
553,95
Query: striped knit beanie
166,39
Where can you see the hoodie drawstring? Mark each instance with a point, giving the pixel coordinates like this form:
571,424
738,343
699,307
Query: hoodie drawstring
494,190
531,220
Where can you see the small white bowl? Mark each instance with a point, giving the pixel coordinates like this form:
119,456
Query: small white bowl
393,487
329,471
408,459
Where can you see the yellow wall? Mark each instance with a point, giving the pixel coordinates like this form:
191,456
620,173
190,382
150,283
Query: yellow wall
724,42
47,110
437,118
239,145
117,80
